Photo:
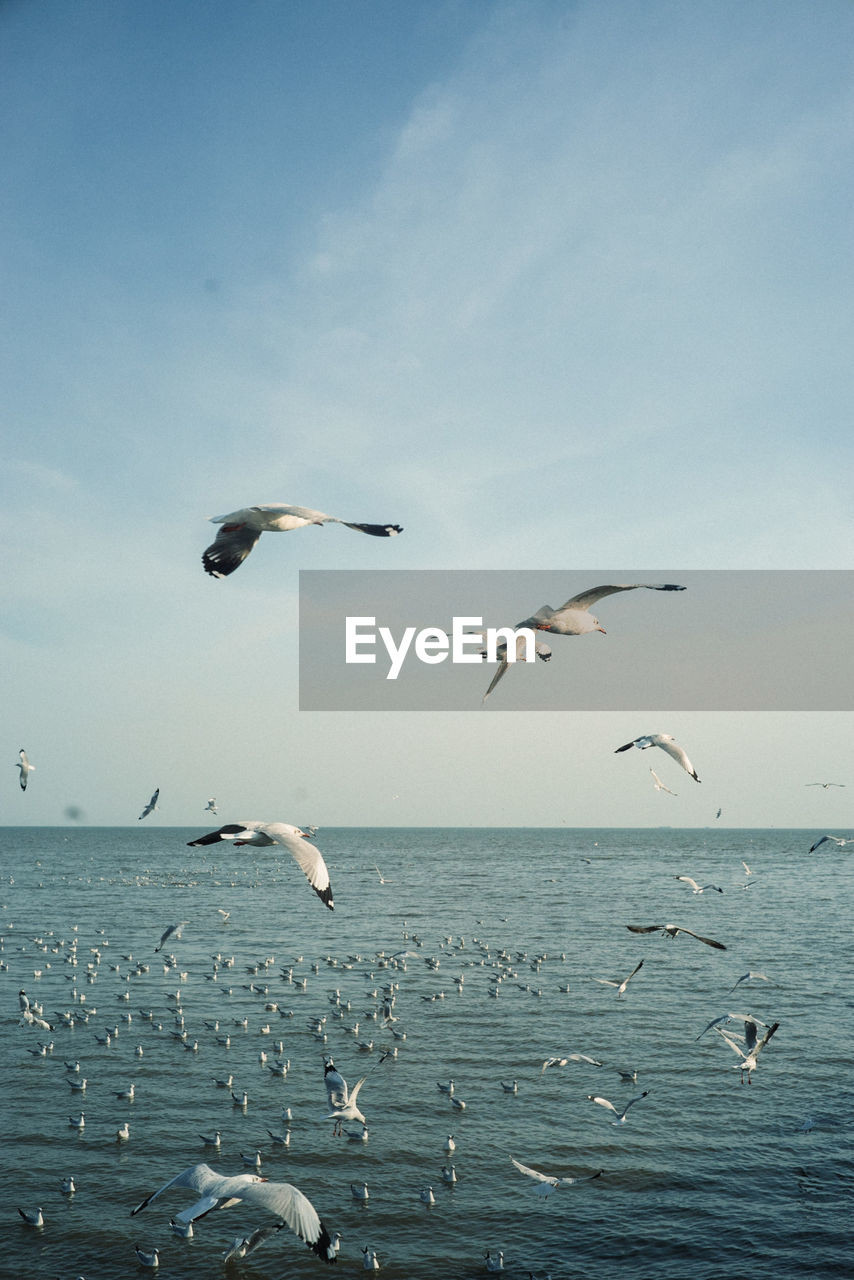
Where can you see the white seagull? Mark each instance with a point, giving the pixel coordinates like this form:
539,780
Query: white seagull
621,986
841,841
621,1115
752,1046
32,1217
210,807
659,785
244,1245
151,806
242,529
279,1198
749,977
295,840
547,1183
25,767
698,888
824,784
571,1057
667,743
671,930
342,1101
572,618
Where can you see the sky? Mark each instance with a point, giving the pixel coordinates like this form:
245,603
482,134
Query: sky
552,285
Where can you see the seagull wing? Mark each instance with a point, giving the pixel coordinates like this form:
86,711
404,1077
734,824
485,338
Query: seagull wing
307,856
289,1203
603,1102
229,549
502,667
202,1178
673,749
710,942
229,832
689,880
585,599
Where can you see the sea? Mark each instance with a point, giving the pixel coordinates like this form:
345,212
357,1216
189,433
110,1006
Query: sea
470,956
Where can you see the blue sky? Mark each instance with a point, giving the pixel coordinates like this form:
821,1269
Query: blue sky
552,285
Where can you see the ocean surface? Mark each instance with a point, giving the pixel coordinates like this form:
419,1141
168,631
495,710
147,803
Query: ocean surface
506,933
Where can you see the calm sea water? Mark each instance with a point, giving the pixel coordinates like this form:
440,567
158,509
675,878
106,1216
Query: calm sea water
707,1178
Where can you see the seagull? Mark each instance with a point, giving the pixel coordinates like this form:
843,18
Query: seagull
841,841
244,1245
25,767
574,1057
824,784
698,888
149,808
211,1139
210,807
184,1229
359,1190
667,743
151,1259
495,1263
572,618
342,1102
242,529
68,1188
753,1046
123,1132
621,986
659,785
732,1017
671,930
621,1115
371,1262
32,1217
218,1192
547,1183
426,1195
263,834
168,933
749,977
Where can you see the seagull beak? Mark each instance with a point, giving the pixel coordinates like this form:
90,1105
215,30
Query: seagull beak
602,629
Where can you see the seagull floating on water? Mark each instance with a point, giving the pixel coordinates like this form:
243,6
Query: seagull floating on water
279,1198
32,1217
263,834
572,619
667,743
149,808
671,930
147,1258
242,529
547,1183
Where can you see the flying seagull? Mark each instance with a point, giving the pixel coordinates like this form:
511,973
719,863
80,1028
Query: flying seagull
547,1183
572,619
294,839
671,930
839,840
174,929
242,529
668,744
749,977
151,806
824,784
570,1057
342,1101
621,986
752,1048
659,785
244,1245
698,888
621,1115
280,1198
25,767
210,807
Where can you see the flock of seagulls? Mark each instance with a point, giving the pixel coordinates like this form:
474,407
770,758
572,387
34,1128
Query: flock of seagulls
285,1205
